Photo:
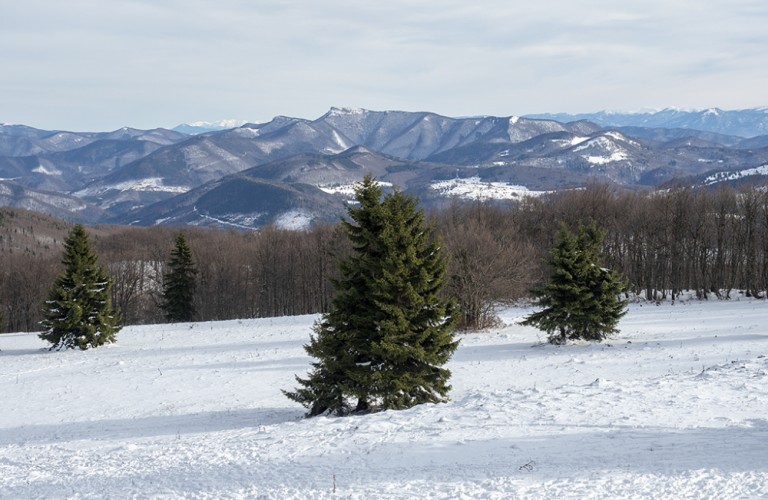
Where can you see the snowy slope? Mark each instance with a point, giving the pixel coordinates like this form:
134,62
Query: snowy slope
474,188
675,406
735,175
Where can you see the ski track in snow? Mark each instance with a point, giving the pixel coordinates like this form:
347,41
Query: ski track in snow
674,406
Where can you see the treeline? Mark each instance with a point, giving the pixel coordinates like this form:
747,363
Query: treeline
663,242
241,274
701,240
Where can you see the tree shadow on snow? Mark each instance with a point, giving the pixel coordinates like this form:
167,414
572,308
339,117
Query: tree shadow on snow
638,342
362,458
368,463
666,451
154,350
502,351
495,352
153,426
280,364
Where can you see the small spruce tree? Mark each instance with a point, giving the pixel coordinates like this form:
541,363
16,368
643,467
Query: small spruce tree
581,300
388,334
78,311
180,283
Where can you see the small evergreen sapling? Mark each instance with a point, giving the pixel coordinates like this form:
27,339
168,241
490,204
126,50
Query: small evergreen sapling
180,283
78,311
581,300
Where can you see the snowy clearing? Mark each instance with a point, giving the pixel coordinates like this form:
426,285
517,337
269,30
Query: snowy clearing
347,189
674,406
294,220
474,188
727,176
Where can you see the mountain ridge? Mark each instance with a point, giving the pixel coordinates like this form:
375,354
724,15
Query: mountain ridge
747,123
126,174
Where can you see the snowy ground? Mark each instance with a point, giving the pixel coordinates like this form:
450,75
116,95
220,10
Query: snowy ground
675,406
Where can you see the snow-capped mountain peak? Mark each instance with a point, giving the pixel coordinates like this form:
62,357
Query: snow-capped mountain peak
336,111
223,124
201,127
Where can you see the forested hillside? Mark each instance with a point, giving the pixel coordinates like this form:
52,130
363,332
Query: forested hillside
663,242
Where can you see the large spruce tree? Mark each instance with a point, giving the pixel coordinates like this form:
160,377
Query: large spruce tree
180,283
581,300
388,334
78,311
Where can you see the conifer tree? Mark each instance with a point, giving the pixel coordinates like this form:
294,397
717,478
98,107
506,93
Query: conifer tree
416,337
78,311
388,334
180,283
581,300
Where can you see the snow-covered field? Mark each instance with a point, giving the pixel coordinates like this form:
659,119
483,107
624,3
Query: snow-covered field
474,188
675,406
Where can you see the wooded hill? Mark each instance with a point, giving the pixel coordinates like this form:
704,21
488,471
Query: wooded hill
663,242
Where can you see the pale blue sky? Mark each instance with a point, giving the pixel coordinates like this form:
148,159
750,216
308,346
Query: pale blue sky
103,64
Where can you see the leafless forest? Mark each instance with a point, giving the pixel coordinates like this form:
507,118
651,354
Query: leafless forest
663,242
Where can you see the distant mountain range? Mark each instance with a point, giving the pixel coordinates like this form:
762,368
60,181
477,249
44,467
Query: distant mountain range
741,123
294,172
204,127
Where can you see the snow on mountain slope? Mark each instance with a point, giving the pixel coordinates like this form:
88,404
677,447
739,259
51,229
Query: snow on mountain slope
735,175
55,204
149,184
522,129
604,148
347,189
220,124
202,127
153,184
42,169
474,188
673,407
294,220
